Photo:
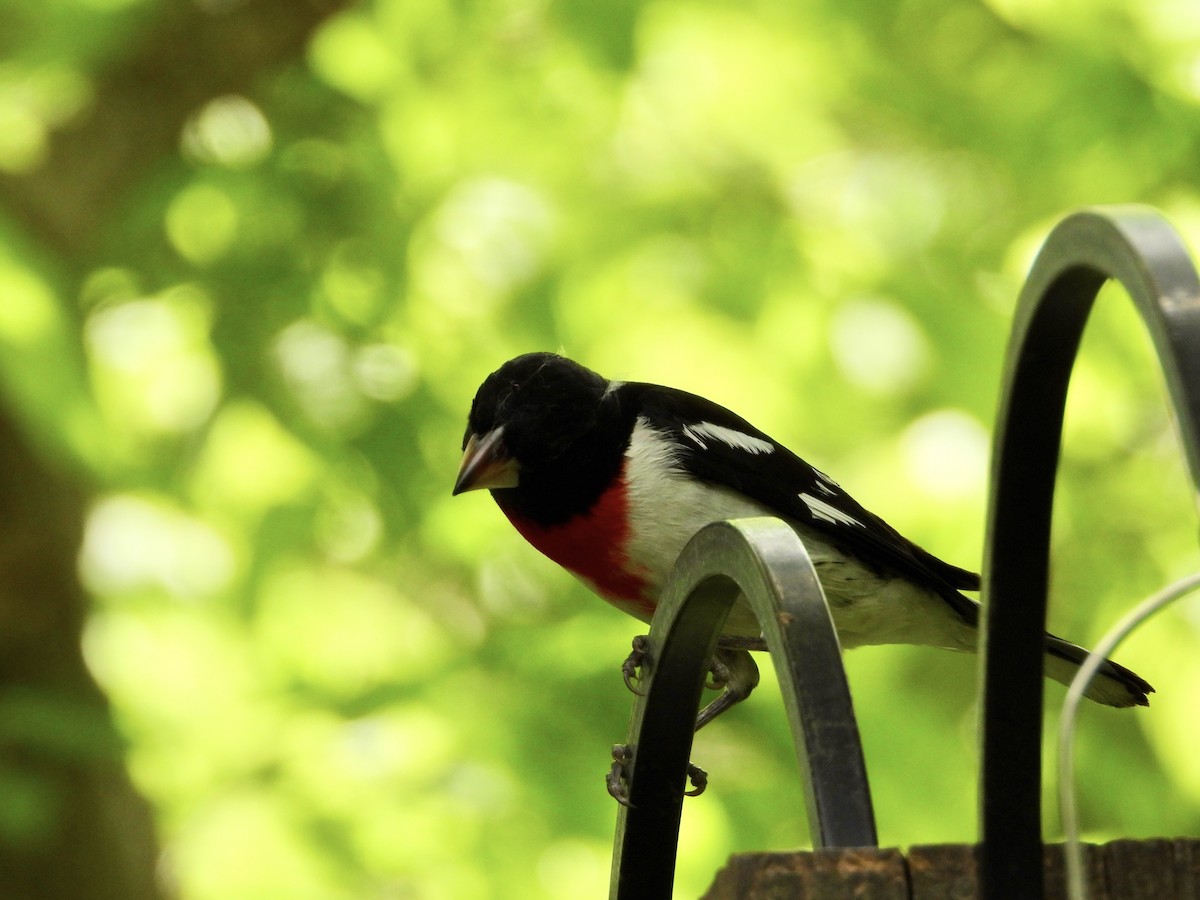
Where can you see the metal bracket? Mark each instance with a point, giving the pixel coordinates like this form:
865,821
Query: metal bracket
1135,246
765,560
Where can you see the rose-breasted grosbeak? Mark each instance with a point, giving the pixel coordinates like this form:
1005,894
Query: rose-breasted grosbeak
611,479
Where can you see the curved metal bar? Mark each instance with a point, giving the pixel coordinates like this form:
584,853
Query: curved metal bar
1135,246
765,560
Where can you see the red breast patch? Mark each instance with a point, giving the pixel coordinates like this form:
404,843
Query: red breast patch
593,546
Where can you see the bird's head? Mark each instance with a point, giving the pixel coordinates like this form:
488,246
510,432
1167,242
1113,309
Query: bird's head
528,419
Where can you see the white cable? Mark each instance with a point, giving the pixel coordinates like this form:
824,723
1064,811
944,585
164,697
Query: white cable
1076,888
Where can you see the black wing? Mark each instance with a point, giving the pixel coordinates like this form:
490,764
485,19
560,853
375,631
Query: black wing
720,447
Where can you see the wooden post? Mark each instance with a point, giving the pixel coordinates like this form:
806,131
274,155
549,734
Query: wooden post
1158,869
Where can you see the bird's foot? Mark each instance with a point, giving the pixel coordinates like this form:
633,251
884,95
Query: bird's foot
698,779
618,776
735,674
718,675
634,661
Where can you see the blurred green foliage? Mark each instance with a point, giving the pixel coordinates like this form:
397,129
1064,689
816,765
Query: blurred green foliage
334,680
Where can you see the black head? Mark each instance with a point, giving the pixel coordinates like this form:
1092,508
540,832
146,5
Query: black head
540,427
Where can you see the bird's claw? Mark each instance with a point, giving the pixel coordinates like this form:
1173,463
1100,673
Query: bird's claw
698,779
617,776
718,675
615,779
634,661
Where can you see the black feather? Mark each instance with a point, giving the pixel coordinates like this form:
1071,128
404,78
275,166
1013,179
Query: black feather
779,478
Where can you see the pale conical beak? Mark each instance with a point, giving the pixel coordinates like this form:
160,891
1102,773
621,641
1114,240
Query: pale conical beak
485,464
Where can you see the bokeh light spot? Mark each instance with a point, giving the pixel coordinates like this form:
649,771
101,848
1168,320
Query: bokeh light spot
229,131
153,365
22,138
879,346
250,463
136,542
349,54
316,364
201,223
946,454
488,237
28,312
385,372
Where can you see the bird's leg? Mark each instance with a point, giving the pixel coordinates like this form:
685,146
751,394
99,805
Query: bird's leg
633,662
622,753
617,776
615,780
641,648
734,671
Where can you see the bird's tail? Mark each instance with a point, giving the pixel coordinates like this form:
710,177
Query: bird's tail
1114,685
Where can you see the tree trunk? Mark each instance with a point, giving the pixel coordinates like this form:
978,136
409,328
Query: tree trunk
71,824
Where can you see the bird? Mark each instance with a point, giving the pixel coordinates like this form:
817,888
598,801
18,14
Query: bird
610,479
